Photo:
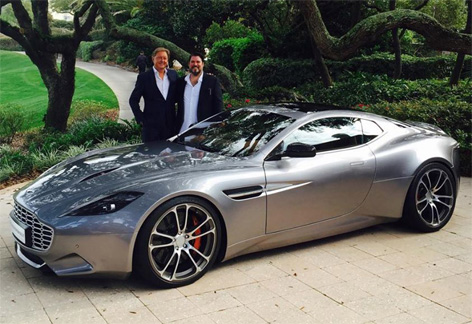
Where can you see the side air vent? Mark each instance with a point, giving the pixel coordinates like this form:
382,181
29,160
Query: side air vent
244,193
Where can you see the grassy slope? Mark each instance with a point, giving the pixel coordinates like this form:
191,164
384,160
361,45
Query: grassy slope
21,84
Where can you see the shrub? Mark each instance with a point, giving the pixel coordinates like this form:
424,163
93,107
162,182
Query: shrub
263,73
84,109
365,88
276,94
86,49
85,132
44,149
221,53
9,44
269,72
413,68
237,53
230,29
13,162
11,122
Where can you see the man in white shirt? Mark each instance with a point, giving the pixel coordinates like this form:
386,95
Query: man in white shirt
158,88
199,94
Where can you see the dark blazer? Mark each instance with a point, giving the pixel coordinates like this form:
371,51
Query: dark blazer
210,100
158,115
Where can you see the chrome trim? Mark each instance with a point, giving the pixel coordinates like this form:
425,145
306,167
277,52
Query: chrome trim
26,260
247,193
41,234
17,231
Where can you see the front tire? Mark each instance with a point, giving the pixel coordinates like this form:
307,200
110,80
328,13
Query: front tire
431,198
179,242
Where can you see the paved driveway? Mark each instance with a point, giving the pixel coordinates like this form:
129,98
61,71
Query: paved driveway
384,274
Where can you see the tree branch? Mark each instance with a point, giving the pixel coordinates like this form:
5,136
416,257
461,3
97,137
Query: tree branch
369,29
40,16
81,31
421,5
78,32
22,16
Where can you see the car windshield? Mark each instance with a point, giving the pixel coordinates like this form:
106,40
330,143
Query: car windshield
238,133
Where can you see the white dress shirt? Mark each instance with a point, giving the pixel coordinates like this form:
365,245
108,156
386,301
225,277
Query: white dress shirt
191,95
162,84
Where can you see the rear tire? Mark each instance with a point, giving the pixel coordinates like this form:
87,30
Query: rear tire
178,243
431,198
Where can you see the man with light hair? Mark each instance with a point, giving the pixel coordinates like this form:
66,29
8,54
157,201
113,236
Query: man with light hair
158,88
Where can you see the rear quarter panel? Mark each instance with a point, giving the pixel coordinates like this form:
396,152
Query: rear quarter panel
400,152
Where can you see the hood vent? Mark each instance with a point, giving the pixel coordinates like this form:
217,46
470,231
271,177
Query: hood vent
98,174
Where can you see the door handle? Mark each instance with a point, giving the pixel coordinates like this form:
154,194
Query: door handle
357,163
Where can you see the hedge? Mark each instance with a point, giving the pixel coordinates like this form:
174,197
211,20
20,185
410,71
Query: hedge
86,49
365,88
263,73
236,53
9,44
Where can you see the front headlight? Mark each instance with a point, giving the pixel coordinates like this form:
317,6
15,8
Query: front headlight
107,205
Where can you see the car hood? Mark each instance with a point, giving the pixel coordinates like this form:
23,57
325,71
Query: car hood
99,173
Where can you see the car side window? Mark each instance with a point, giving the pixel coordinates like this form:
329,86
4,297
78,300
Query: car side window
370,130
328,134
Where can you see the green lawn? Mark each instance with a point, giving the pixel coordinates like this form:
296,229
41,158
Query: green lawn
21,85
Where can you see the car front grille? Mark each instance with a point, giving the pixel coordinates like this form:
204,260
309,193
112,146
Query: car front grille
41,234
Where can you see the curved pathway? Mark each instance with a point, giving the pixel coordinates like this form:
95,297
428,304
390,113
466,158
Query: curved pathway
120,81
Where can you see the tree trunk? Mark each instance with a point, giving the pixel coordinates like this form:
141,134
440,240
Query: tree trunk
61,87
321,65
456,73
41,46
398,54
396,46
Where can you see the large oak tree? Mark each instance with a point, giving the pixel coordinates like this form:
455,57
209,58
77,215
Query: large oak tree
42,46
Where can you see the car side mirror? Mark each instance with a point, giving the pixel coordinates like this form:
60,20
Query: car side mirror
300,150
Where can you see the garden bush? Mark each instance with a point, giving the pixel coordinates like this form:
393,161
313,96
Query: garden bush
413,68
9,44
86,49
11,122
84,109
263,73
86,132
43,149
237,53
13,162
365,88
269,72
229,29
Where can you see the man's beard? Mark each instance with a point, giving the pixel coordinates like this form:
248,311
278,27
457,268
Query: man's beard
195,71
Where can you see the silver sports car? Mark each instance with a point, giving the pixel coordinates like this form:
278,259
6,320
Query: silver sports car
241,181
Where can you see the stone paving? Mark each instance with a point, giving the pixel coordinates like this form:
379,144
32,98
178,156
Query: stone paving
384,274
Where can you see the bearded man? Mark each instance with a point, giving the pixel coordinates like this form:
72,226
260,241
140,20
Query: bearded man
199,94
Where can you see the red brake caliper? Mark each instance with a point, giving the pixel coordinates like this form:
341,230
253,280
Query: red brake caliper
198,241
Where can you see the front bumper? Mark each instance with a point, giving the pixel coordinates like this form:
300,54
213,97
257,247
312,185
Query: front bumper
75,251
